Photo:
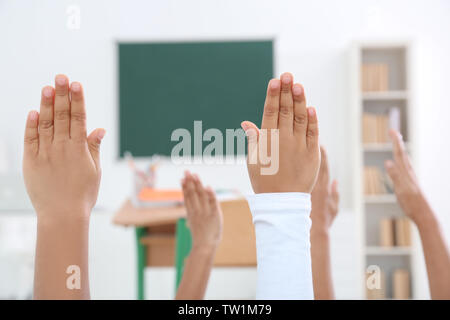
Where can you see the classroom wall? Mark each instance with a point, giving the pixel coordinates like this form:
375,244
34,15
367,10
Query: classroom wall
312,40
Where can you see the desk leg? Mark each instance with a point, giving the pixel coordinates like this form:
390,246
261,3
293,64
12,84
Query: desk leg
141,262
182,248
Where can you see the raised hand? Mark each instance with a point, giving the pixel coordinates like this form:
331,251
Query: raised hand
205,223
325,205
61,164
324,197
289,135
406,186
203,213
61,167
415,205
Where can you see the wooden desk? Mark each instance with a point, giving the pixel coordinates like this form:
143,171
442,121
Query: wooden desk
156,235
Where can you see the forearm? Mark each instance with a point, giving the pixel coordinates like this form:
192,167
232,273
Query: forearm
321,263
437,255
196,274
282,226
61,265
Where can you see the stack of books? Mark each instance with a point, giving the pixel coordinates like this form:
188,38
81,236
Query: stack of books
150,197
395,232
375,182
400,285
374,77
375,128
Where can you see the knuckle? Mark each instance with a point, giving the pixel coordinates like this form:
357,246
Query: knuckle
62,114
311,132
78,116
270,111
300,119
31,139
285,111
45,124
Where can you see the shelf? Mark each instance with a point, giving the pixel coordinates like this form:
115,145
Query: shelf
385,95
388,251
382,198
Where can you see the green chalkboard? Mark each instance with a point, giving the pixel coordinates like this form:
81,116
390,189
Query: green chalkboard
165,86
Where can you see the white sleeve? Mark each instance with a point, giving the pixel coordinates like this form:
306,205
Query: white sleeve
282,226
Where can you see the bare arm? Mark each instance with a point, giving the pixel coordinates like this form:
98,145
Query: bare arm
325,203
205,222
61,168
416,207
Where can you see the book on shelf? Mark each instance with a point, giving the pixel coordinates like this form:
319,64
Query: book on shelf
375,127
375,182
395,232
375,77
400,284
402,232
387,232
375,286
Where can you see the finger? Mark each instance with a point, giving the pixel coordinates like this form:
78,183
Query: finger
300,113
312,134
213,204
62,108
252,134
194,198
391,169
211,197
77,113
31,138
271,105
94,140
187,193
398,145
324,172
335,191
286,116
46,117
203,199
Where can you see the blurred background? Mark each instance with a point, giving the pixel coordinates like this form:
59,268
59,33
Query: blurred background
366,65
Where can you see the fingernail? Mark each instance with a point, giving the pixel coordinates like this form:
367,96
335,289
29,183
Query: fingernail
388,164
274,84
286,78
75,87
33,115
60,80
48,92
311,112
101,134
244,126
297,90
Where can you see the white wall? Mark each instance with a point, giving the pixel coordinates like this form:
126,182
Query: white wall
312,41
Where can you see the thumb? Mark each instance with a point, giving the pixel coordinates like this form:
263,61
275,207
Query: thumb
94,140
252,133
335,191
391,170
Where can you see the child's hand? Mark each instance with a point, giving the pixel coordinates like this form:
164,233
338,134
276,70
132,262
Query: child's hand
61,164
406,187
324,197
298,157
203,213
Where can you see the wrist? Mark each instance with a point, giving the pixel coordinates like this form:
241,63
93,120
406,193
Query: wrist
204,249
421,212
74,219
319,231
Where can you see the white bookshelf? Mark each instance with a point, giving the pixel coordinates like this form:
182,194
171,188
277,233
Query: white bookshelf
371,209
